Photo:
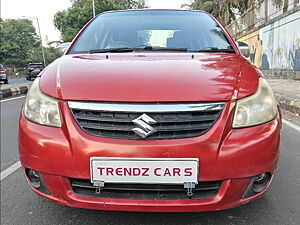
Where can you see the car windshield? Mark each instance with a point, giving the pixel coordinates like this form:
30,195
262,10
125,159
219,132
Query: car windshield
36,66
189,30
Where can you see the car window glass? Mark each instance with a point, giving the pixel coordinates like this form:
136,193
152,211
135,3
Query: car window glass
192,30
36,66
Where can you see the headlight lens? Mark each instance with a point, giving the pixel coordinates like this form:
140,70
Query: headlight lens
40,108
256,109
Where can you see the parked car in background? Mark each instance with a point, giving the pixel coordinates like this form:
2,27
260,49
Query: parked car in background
3,75
33,69
163,114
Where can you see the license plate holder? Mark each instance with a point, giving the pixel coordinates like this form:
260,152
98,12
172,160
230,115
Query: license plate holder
144,170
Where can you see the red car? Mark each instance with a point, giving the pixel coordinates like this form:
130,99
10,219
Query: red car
150,110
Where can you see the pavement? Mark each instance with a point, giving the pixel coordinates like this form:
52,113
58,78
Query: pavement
288,93
19,205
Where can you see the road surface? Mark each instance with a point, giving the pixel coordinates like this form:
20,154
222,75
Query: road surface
19,205
15,81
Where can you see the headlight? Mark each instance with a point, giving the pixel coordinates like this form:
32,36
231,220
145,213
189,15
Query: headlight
256,109
40,108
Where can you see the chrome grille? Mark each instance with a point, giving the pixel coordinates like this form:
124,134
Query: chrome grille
173,121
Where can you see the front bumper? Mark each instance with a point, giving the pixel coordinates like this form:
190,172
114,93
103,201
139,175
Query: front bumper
227,155
33,75
229,196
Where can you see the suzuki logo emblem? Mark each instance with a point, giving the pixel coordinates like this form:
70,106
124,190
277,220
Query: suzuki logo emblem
144,129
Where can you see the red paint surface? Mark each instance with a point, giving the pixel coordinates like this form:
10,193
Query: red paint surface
157,77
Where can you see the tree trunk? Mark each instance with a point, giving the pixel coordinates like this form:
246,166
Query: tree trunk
251,13
266,10
285,5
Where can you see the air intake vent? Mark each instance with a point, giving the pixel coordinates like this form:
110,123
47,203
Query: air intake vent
203,190
172,121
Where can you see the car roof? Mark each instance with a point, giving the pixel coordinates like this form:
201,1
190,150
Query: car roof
140,10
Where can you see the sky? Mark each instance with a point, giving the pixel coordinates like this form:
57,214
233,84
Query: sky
45,10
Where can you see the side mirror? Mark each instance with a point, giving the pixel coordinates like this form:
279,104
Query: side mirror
61,48
244,48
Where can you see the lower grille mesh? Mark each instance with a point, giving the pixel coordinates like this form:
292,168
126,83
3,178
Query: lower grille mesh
203,190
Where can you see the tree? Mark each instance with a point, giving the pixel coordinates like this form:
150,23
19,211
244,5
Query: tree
17,37
131,4
19,44
223,10
70,21
35,55
226,10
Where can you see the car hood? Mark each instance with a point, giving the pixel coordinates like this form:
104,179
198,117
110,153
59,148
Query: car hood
150,77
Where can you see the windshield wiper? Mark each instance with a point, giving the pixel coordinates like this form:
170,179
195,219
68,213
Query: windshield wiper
216,49
137,48
125,49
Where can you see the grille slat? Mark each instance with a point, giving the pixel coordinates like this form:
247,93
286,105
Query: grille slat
169,125
99,118
203,190
158,127
105,127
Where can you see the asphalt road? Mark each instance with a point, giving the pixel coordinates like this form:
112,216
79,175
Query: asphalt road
16,81
19,205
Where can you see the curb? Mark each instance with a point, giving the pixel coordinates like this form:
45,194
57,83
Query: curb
289,103
14,91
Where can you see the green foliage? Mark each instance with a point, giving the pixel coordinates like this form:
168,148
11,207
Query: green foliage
131,4
223,10
17,39
70,21
50,54
226,10
19,45
35,55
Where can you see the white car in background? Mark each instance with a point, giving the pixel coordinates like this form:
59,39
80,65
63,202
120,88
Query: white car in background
3,76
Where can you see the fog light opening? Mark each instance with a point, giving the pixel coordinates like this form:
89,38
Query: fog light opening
261,181
34,178
258,184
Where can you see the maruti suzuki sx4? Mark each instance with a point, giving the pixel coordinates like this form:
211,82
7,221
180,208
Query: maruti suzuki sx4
150,110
